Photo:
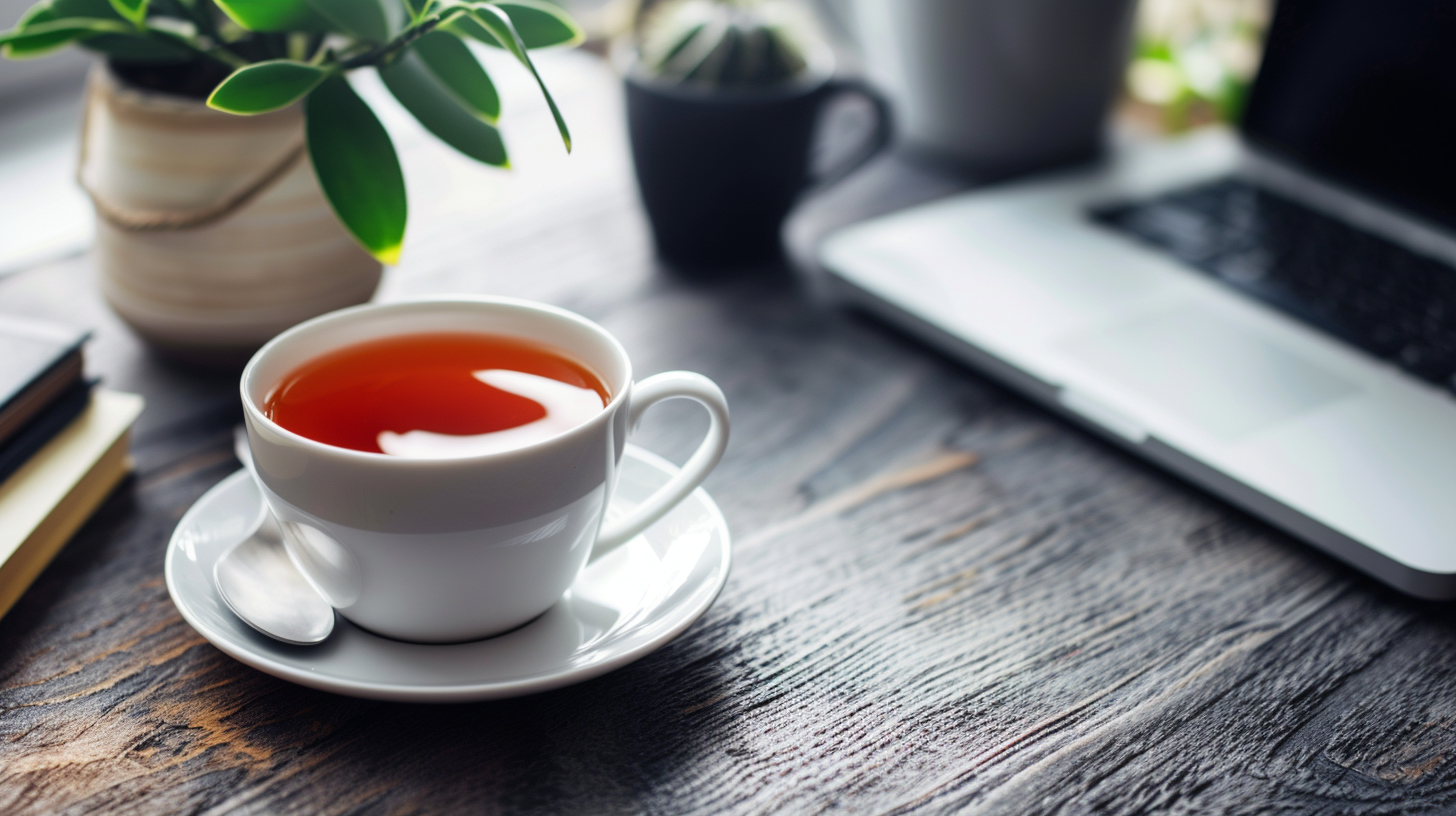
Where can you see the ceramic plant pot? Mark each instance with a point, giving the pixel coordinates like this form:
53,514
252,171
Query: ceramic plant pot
212,233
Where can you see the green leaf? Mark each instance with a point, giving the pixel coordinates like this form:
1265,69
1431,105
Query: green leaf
468,27
35,39
440,111
362,18
273,15
357,167
130,48
173,8
38,45
500,27
51,10
133,10
265,86
36,14
101,9
451,62
539,24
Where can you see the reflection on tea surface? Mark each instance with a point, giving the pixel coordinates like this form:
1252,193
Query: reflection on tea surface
566,406
437,395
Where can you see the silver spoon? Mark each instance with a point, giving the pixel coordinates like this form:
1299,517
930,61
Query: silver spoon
259,583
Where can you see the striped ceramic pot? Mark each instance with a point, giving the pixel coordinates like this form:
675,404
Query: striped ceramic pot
212,233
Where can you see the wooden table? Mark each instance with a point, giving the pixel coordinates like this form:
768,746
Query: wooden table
943,598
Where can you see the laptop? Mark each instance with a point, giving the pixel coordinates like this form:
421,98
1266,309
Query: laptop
1269,313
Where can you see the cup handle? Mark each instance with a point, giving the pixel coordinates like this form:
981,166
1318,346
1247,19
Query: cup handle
879,137
665,386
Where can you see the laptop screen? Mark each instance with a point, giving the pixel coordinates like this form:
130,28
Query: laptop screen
1364,92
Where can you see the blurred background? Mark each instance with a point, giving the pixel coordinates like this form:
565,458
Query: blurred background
1190,65
1191,61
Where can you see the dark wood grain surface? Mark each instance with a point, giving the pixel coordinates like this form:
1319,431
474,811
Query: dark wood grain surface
943,599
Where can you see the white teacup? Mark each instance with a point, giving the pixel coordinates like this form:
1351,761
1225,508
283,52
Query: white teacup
448,550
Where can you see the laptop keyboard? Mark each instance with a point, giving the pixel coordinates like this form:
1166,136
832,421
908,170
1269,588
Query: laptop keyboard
1374,294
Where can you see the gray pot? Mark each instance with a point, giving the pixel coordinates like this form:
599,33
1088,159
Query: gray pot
1002,85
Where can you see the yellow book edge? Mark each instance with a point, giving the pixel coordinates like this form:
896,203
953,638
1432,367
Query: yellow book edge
47,500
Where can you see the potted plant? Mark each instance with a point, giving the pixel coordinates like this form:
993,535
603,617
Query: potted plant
723,97
241,184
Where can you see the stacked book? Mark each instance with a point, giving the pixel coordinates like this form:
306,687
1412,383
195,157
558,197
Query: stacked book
63,446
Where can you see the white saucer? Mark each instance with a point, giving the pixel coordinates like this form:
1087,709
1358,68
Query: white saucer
622,607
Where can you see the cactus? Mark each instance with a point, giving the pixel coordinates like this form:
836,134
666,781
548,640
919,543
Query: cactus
726,43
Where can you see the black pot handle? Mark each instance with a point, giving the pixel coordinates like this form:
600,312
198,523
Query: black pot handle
878,139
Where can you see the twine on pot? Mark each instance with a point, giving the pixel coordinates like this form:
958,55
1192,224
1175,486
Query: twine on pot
166,220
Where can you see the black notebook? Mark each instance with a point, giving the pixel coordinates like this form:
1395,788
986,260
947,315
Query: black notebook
39,363
33,435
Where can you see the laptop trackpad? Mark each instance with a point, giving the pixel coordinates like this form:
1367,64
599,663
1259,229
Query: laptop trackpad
1215,374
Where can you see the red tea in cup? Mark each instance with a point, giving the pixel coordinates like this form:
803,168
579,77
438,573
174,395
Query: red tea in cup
437,395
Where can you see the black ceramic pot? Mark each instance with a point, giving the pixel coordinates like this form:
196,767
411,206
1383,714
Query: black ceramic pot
719,170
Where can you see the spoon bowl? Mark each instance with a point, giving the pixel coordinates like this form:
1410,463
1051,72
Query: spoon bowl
260,584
